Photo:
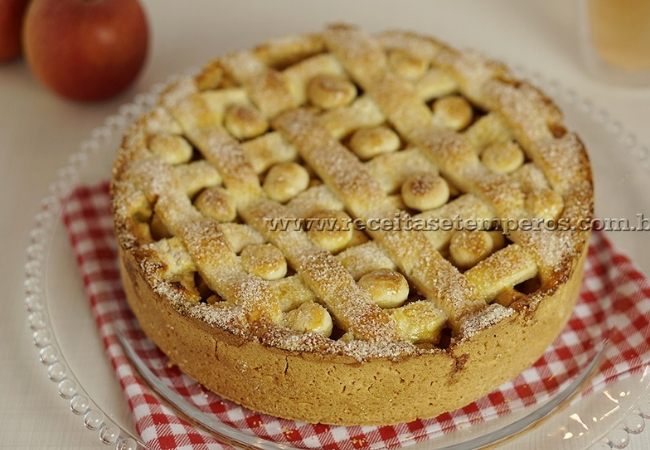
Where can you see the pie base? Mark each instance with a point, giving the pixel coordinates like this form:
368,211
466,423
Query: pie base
339,390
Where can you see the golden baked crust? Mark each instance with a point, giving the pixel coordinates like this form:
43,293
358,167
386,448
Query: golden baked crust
298,226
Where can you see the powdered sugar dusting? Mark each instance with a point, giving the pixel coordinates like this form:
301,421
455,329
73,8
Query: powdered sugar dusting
521,110
178,92
471,69
564,162
248,309
420,46
484,319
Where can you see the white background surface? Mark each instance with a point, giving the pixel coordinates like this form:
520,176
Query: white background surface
38,131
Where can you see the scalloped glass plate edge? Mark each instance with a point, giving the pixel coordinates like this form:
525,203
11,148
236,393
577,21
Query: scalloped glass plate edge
50,352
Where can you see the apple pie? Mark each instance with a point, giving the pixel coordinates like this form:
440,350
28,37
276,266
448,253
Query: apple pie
348,228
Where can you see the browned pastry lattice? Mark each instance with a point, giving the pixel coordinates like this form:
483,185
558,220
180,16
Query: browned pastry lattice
328,194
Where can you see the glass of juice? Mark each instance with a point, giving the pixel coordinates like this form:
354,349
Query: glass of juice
615,40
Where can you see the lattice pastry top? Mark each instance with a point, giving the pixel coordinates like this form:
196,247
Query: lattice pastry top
306,193
343,194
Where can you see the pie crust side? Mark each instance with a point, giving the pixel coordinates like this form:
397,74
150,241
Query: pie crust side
339,390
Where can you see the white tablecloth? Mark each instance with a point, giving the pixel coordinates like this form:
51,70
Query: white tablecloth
38,131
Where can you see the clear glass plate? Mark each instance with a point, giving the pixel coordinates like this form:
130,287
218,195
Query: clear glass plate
73,355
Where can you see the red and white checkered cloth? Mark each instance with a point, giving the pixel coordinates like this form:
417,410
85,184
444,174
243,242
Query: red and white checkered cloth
614,292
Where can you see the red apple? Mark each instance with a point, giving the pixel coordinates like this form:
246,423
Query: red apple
11,21
86,50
